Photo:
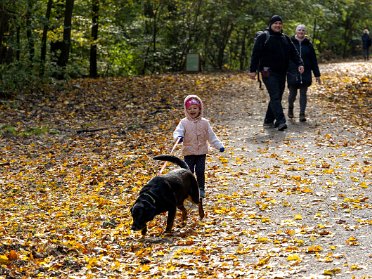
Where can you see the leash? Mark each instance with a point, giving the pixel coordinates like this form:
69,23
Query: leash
174,147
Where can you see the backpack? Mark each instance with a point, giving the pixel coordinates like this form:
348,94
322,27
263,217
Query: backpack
258,33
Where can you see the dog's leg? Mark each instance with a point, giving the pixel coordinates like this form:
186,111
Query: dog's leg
201,210
184,214
170,219
144,231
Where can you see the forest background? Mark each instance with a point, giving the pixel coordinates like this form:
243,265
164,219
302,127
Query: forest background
46,40
76,149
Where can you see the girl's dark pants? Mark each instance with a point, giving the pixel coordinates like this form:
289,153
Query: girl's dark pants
275,85
196,164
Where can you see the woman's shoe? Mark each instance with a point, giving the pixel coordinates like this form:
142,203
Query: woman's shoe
302,117
290,113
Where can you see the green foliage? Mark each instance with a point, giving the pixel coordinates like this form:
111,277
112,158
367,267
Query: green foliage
9,130
16,77
152,36
121,60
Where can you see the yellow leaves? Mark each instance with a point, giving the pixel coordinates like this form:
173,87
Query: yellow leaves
262,239
239,161
314,249
298,217
296,177
189,251
363,185
290,232
143,268
364,80
328,171
263,261
91,262
223,160
223,210
293,257
332,272
265,220
115,265
352,241
355,267
299,242
11,256
4,259
261,205
356,200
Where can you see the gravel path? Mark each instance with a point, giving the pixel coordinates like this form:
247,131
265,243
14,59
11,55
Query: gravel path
300,198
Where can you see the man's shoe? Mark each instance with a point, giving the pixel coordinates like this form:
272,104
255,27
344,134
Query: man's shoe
268,124
302,117
282,127
290,113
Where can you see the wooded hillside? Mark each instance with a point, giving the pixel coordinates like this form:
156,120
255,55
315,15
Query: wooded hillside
73,38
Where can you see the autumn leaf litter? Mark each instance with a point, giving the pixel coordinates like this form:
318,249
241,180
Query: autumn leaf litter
293,204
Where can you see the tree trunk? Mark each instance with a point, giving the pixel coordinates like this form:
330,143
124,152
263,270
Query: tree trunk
243,51
18,39
347,36
93,46
44,37
66,45
225,36
30,38
6,53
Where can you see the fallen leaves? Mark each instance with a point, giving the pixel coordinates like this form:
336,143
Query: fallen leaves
277,207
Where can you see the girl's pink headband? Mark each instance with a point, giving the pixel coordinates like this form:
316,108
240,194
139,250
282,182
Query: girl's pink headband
192,101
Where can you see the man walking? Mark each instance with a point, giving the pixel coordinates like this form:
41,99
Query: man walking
270,56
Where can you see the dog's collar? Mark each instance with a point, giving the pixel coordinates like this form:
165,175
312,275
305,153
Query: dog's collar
151,197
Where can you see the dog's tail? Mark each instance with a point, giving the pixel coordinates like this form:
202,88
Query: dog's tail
172,159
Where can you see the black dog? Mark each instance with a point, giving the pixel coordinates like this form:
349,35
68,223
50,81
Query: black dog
166,193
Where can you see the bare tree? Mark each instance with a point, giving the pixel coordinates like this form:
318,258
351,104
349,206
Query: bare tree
93,46
44,37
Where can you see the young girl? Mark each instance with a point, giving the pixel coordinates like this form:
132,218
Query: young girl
195,132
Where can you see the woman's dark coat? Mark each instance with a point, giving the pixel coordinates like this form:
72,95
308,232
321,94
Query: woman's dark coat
307,53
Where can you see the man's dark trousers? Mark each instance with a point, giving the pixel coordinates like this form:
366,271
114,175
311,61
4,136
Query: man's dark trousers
275,85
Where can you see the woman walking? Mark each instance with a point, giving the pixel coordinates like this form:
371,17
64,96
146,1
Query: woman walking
297,81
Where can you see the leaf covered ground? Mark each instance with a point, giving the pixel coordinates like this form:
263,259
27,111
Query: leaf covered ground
293,204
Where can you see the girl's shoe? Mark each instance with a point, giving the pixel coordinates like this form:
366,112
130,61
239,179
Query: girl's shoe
302,117
202,193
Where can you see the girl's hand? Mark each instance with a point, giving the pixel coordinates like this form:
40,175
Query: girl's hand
222,149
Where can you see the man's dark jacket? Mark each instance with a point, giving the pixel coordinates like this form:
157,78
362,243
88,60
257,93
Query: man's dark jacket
274,53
